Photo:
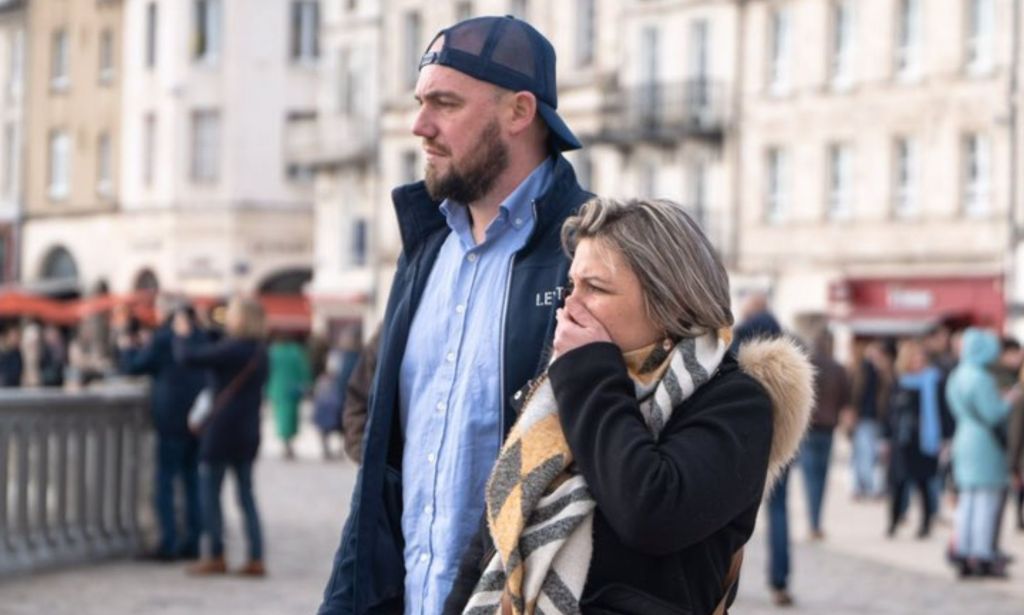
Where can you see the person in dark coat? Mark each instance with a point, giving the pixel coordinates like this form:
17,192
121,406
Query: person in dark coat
634,473
12,365
53,358
329,393
917,424
357,397
831,399
230,435
174,389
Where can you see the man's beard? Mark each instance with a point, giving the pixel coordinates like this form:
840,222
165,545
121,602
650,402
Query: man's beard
484,164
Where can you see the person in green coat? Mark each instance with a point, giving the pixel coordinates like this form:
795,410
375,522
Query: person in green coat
289,380
979,455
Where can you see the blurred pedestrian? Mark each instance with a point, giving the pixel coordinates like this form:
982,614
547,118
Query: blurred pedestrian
871,383
758,322
979,451
913,434
1007,373
54,357
230,434
832,398
12,365
357,396
329,398
31,352
173,391
288,384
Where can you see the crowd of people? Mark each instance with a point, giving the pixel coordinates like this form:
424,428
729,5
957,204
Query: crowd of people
936,417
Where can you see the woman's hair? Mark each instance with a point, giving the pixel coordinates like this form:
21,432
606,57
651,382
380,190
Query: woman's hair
251,318
684,284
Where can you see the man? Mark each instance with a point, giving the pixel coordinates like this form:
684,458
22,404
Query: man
471,311
756,321
11,363
1007,372
173,391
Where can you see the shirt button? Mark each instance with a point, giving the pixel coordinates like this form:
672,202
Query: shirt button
431,457
441,406
460,308
428,509
424,557
471,257
518,222
451,357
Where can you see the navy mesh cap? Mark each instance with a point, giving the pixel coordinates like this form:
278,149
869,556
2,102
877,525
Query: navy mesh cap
511,54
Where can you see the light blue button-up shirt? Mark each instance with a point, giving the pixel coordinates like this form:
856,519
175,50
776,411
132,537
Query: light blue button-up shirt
450,391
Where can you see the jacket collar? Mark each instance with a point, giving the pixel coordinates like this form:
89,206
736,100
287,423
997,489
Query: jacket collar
419,215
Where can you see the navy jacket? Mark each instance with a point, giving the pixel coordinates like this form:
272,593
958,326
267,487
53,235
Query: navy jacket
174,386
369,570
232,432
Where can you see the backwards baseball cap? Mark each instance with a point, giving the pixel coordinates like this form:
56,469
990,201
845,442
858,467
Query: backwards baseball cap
511,54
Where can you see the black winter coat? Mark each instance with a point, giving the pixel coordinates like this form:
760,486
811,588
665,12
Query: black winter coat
671,511
174,386
232,432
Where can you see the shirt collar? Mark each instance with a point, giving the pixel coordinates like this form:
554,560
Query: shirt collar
515,211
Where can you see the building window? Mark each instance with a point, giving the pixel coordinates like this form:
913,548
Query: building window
151,32
699,96
359,242
10,158
59,61
205,146
519,9
776,184
778,50
463,11
841,63
104,183
648,94
410,166
413,27
60,165
980,35
149,149
905,178
908,39
305,32
106,56
977,160
207,30
586,25
300,173
15,63
584,167
346,82
840,181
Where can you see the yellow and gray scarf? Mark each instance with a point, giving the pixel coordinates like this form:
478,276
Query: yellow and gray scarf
539,510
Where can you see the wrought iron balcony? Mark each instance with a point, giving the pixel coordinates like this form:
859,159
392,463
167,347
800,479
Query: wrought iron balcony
665,113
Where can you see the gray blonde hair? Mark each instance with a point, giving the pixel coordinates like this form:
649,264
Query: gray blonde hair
684,284
252,318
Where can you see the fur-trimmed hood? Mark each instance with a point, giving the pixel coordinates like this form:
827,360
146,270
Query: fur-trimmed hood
783,369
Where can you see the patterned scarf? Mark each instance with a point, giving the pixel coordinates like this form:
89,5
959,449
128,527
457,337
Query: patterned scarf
539,510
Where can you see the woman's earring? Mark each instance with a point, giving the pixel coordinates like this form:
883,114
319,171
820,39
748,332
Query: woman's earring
667,344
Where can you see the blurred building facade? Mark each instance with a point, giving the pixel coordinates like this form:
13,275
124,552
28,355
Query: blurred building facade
161,145
854,158
12,133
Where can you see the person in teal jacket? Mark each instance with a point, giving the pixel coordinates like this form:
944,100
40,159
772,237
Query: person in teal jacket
288,383
979,455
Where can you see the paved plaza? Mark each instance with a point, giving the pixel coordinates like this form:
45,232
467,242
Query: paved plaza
855,571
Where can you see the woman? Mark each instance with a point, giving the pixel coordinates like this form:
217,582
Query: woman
914,432
289,380
230,435
633,476
979,453
871,383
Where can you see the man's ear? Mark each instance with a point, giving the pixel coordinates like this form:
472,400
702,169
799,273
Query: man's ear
522,112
